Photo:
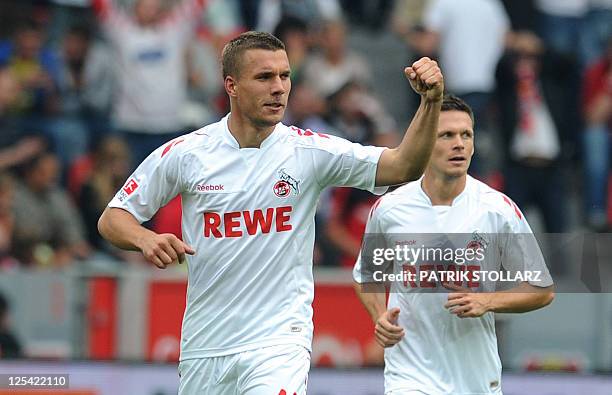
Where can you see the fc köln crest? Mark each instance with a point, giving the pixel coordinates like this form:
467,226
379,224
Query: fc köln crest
477,242
286,185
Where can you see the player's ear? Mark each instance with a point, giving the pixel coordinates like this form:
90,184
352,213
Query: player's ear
230,85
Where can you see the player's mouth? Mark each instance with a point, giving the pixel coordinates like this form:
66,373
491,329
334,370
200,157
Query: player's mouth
274,106
458,159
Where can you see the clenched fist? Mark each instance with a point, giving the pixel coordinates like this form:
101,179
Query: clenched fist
387,332
426,79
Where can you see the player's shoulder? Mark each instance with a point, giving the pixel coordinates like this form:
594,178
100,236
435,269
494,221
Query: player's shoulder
204,139
406,195
492,200
307,138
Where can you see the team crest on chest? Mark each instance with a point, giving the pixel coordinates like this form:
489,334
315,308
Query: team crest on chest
477,242
286,185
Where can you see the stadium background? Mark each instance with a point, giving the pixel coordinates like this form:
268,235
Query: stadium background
78,306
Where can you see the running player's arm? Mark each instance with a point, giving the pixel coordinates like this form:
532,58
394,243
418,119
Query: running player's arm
520,252
408,161
123,230
154,183
523,298
373,295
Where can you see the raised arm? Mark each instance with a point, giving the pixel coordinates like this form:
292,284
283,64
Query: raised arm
122,229
408,161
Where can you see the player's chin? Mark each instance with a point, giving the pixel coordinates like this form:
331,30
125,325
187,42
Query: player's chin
457,171
272,119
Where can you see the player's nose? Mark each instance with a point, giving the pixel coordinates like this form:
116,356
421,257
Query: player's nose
458,143
278,88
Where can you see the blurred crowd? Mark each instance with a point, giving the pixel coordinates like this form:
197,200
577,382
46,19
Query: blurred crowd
88,88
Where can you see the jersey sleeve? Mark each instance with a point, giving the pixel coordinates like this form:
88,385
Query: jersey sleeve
520,249
153,184
338,162
374,237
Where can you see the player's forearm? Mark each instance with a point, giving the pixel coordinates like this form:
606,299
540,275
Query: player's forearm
373,298
121,229
521,299
410,158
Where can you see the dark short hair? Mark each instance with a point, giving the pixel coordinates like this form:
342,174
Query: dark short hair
454,103
233,50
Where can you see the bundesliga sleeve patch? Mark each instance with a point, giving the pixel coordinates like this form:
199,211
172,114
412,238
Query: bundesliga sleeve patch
128,189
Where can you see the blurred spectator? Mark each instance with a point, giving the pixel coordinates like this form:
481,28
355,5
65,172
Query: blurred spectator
597,30
270,12
15,147
597,106
562,24
48,228
307,110
367,13
293,32
347,220
249,11
98,88
359,117
111,167
150,46
71,127
326,72
469,37
36,69
7,222
523,14
407,18
63,15
537,99
9,345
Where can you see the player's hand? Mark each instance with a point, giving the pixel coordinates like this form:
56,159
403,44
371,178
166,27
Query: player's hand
426,79
387,332
467,304
164,249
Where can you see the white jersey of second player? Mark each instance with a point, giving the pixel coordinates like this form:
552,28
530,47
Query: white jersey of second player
249,214
441,353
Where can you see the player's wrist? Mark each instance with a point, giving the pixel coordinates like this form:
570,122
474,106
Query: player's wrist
490,303
435,98
140,238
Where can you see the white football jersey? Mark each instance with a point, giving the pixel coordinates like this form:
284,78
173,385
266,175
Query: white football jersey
249,214
441,353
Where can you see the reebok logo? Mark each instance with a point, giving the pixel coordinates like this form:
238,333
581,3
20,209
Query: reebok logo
208,188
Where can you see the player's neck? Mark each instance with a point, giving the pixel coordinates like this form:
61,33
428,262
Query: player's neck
246,134
442,190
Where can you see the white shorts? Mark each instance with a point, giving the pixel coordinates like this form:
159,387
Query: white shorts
276,370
